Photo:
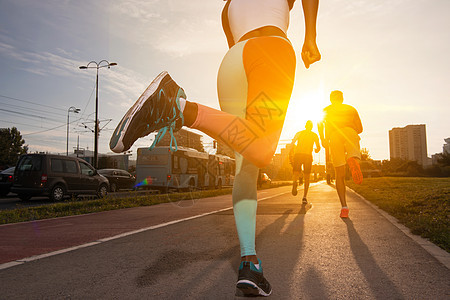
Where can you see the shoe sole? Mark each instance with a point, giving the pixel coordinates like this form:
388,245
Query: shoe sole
355,169
344,214
249,288
116,143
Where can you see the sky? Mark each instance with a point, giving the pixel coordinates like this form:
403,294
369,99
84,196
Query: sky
389,58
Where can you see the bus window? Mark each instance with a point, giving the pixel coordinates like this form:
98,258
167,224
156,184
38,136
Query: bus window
152,159
176,164
183,162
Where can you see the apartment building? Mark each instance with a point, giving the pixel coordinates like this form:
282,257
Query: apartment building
409,143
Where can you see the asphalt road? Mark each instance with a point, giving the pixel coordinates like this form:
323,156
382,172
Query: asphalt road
308,252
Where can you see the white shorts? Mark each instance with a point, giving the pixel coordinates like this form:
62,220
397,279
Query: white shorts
343,145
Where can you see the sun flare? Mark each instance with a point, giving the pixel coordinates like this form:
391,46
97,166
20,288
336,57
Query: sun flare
308,106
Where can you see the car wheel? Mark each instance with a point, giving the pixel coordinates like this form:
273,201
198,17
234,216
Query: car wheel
24,197
113,188
57,193
102,191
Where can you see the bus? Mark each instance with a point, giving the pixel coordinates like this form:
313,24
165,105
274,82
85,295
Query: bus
185,169
226,169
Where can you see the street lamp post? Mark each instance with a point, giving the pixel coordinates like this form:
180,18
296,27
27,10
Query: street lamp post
74,110
101,64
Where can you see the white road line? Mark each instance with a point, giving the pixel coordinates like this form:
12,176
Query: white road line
36,257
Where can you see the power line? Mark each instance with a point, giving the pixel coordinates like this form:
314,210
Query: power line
19,123
30,115
14,115
39,104
50,129
32,109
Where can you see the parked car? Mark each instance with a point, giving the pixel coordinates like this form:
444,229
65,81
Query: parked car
118,179
56,176
6,181
264,179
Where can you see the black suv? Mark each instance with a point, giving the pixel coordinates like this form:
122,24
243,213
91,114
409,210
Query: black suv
56,176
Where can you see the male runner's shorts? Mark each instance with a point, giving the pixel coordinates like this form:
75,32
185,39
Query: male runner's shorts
302,159
343,145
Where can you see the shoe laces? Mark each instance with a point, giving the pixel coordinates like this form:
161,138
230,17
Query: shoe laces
169,118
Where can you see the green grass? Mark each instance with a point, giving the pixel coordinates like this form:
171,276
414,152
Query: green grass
79,207
421,204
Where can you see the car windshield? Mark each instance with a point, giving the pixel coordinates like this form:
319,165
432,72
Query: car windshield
8,171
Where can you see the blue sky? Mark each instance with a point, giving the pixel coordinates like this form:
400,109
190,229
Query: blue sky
390,58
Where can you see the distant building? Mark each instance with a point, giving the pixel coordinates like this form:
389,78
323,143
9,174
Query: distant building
409,143
446,146
184,138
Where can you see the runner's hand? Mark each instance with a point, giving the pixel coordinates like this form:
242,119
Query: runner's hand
310,53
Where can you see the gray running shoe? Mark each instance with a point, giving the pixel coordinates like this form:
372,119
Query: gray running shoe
251,281
158,108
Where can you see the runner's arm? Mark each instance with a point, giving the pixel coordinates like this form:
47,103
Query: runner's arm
295,139
316,141
357,123
310,51
320,127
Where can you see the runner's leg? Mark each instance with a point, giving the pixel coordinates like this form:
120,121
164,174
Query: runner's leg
269,64
340,184
247,78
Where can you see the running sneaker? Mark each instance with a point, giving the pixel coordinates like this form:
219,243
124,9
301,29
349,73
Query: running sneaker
294,188
304,200
251,281
344,212
158,108
353,164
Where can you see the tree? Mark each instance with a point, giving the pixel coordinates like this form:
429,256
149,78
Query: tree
11,146
365,154
444,159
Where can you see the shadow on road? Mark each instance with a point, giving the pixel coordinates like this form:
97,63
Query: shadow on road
378,281
273,235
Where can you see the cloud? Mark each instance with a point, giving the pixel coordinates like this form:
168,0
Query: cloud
169,27
44,63
122,82
191,36
137,10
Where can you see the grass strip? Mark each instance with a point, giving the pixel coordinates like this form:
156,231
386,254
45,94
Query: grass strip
78,207
81,206
421,204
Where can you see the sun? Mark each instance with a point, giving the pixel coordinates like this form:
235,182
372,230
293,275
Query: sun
308,106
